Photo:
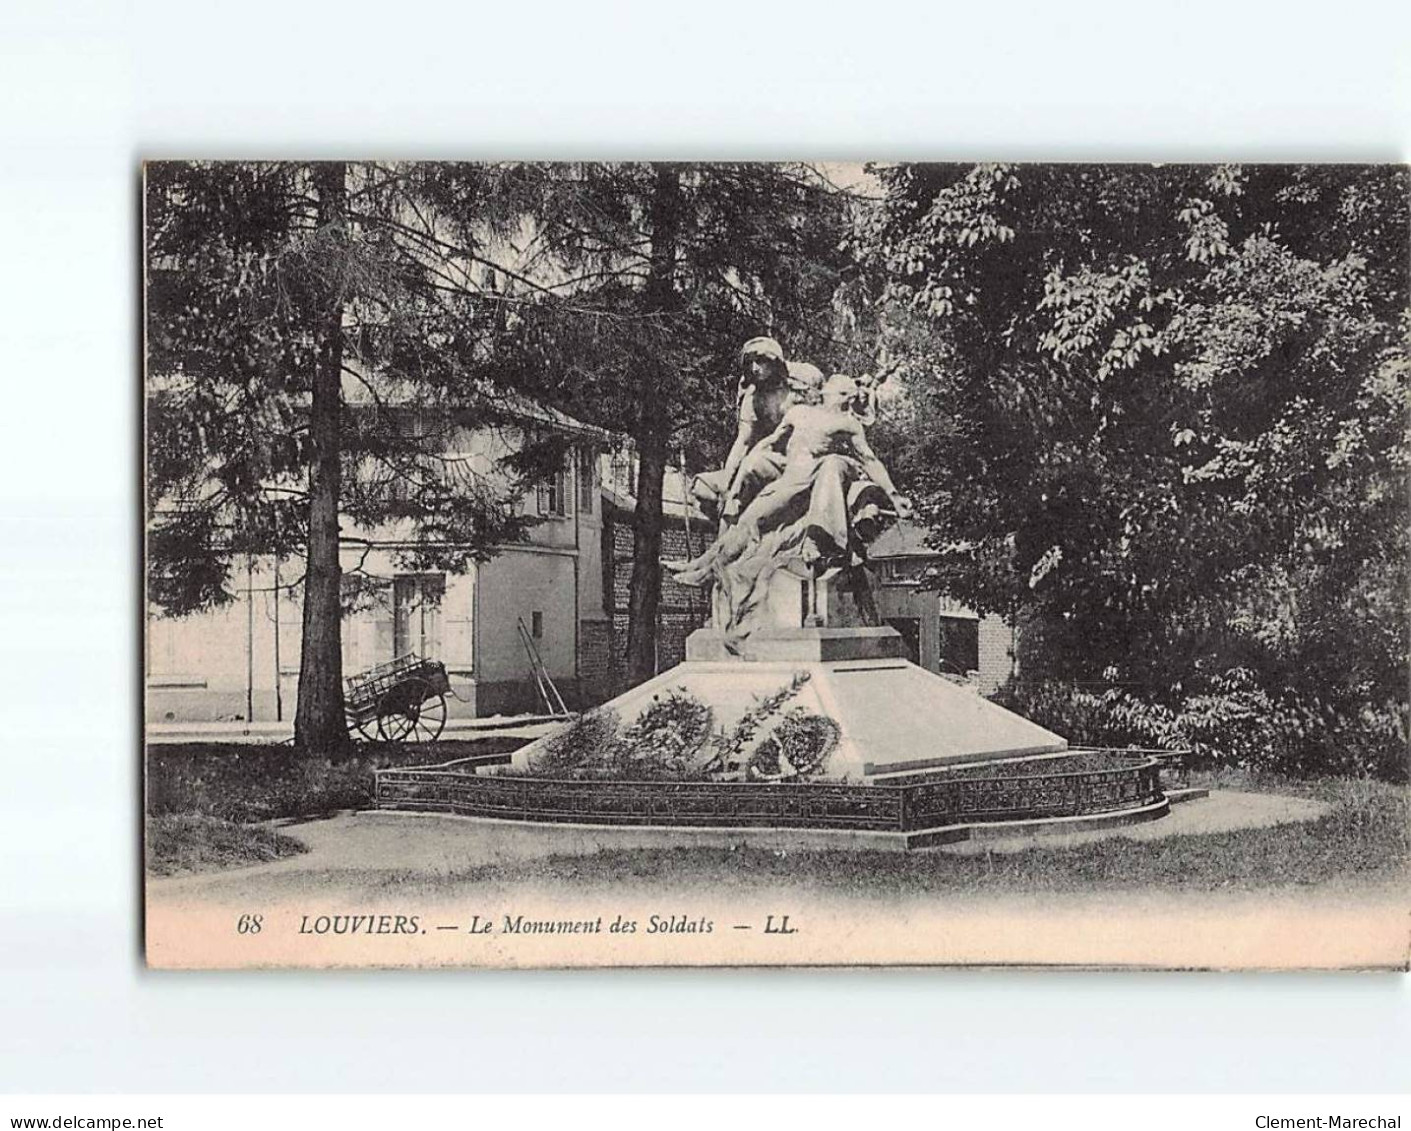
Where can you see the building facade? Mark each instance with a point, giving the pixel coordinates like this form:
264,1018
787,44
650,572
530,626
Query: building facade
566,585
241,661
941,635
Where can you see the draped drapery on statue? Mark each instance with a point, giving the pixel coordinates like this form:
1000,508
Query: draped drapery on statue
807,499
818,525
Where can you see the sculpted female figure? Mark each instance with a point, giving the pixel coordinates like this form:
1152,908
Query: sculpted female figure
768,387
759,406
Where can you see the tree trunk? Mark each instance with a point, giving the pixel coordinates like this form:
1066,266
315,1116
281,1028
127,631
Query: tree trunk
652,435
319,723
644,589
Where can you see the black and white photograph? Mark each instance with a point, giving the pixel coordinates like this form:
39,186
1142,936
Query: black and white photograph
752,563
733,566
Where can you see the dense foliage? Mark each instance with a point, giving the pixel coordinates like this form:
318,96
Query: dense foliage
317,333
240,270
1159,416
1155,415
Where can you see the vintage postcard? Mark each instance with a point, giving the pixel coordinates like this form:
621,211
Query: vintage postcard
783,564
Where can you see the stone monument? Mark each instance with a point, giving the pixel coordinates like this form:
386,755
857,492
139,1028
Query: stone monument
798,501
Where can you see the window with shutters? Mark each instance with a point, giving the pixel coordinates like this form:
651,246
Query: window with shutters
587,479
416,614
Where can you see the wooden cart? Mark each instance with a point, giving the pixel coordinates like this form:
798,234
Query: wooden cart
403,700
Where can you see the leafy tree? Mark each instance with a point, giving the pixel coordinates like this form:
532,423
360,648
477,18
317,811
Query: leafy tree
1159,414
312,338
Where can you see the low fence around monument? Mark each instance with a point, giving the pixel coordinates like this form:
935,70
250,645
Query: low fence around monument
900,807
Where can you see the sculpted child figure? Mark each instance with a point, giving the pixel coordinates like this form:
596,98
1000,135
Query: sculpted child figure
764,462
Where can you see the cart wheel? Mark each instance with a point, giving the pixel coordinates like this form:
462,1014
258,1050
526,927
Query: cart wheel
367,727
411,712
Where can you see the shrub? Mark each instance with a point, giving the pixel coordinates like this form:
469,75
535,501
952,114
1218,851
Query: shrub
1114,717
1237,724
586,741
1232,722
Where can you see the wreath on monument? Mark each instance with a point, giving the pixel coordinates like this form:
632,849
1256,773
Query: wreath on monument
670,736
796,749
581,744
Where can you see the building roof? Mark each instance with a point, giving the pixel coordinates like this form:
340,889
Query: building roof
525,408
676,502
505,403
903,540
671,508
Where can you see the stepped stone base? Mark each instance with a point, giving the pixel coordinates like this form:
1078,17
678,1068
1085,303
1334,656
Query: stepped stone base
809,645
894,716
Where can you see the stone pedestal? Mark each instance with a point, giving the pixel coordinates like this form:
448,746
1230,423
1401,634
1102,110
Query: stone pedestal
895,718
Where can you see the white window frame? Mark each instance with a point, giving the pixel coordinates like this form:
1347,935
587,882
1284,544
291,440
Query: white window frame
551,495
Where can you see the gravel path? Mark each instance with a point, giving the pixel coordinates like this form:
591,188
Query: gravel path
359,851
1223,811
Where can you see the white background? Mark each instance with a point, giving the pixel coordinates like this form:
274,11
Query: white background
87,90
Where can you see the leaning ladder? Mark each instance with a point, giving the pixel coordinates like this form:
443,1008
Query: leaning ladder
553,701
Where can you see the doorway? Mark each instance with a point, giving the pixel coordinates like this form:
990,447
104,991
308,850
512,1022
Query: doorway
910,631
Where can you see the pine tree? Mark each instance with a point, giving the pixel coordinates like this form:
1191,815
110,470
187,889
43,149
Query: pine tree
313,337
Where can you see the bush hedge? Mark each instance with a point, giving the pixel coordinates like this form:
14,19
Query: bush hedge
1233,722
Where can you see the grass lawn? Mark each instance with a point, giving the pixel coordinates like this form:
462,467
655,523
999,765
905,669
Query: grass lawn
179,843
205,800
247,782
205,803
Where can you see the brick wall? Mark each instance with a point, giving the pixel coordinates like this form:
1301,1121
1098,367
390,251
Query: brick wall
683,610
597,665
673,548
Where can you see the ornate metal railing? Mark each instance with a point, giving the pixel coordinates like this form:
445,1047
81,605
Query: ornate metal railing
892,807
